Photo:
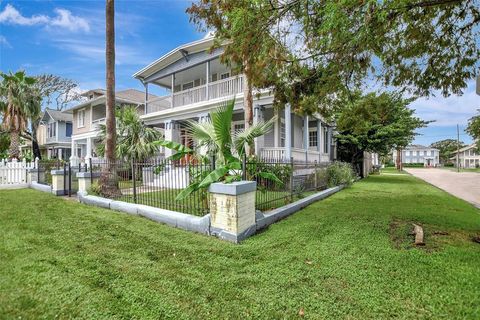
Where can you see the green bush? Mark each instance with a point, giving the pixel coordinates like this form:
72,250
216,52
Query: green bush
283,171
413,165
450,165
95,189
339,173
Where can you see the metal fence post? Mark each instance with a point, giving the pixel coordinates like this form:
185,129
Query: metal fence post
316,178
69,180
134,182
244,167
91,171
291,179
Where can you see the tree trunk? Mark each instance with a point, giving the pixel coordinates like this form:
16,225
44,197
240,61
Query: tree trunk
109,179
35,146
14,149
399,159
248,106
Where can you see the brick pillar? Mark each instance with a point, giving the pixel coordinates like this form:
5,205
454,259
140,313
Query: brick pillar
232,210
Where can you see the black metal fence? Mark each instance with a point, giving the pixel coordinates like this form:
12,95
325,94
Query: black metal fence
155,182
297,180
70,180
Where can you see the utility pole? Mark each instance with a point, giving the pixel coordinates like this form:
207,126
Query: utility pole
458,148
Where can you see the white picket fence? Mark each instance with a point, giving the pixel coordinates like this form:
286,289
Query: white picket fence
14,172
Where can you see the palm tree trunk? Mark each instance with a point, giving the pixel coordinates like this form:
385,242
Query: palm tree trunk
35,147
248,105
14,149
109,176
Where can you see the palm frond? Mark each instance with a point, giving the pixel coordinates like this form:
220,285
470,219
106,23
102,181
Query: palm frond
246,137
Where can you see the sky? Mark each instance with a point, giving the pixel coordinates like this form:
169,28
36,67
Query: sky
67,38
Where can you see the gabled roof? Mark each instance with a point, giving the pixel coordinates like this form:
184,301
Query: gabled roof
58,115
174,55
131,96
470,146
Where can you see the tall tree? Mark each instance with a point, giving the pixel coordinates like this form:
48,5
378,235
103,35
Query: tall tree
110,82
415,46
447,148
109,179
245,49
376,123
56,92
20,102
473,128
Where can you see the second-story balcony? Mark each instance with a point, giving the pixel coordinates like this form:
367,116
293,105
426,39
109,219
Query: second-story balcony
224,88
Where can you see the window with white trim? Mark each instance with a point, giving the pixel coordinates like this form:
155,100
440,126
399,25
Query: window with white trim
81,118
312,138
225,75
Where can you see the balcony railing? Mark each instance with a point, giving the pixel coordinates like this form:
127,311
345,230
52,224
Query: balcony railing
218,89
279,153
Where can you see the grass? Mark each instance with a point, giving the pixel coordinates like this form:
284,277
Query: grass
349,256
463,169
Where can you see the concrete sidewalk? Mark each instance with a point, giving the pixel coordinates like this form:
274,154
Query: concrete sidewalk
463,185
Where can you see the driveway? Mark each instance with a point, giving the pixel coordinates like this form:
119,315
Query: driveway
463,185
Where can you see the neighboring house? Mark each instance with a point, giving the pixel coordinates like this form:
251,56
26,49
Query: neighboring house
90,114
468,157
418,154
41,140
54,134
197,83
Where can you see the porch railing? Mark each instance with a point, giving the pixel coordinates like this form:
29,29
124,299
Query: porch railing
190,96
279,153
225,88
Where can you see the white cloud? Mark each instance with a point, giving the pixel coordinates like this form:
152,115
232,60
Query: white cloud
448,111
63,19
94,50
4,42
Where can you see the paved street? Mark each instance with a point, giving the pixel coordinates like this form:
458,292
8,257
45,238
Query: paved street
464,185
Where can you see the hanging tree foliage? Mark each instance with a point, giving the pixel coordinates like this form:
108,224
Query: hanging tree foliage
314,50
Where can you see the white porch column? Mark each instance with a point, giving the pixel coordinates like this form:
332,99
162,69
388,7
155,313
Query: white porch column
172,133
74,157
89,150
207,81
288,132
172,91
146,97
319,140
306,142
60,153
203,117
257,118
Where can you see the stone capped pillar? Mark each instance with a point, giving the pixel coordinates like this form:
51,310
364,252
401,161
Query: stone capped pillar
58,182
232,210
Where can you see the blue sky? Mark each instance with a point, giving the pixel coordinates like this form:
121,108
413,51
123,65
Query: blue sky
67,38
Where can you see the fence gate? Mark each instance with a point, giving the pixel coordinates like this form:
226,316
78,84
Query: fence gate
70,180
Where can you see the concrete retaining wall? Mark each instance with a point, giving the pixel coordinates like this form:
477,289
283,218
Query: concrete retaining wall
172,218
266,219
41,187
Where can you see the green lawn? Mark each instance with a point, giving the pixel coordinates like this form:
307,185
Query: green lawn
349,256
463,169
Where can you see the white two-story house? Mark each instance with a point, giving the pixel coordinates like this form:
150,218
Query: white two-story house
90,114
468,157
428,156
197,83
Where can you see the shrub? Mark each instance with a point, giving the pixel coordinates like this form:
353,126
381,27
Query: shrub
339,173
95,189
450,164
413,165
283,171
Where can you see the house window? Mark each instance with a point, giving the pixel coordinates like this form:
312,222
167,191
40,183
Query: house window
225,75
238,126
52,130
68,130
81,118
188,85
312,138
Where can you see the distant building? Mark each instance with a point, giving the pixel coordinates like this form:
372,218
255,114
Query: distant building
468,157
416,153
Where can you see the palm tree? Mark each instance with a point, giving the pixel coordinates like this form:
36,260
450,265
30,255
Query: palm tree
134,138
109,179
228,149
20,102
